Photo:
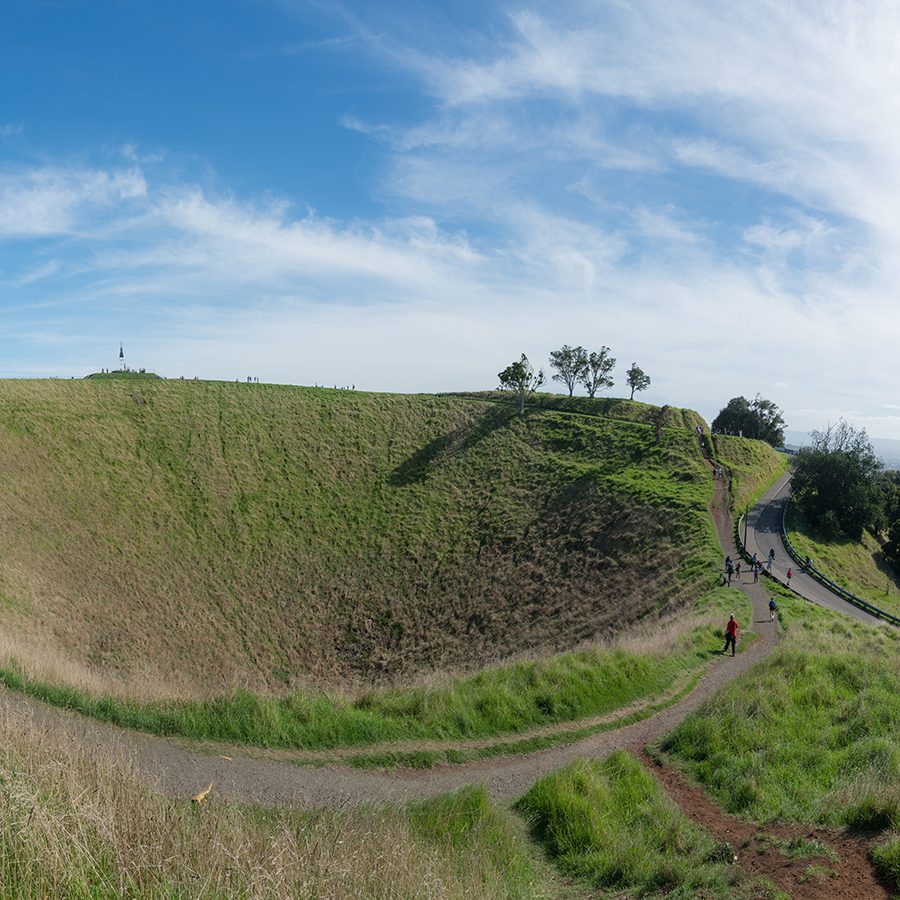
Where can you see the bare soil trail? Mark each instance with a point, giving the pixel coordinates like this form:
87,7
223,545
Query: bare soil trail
844,873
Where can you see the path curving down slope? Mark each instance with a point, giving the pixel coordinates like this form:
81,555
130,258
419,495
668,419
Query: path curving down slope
764,533
176,770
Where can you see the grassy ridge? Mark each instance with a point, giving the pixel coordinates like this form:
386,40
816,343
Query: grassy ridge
606,407
186,537
854,565
753,466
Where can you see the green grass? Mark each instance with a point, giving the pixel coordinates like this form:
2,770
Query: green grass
196,535
496,701
887,860
854,565
466,824
426,759
609,823
754,466
812,733
795,848
607,407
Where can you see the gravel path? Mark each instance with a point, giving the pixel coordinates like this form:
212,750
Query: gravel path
179,771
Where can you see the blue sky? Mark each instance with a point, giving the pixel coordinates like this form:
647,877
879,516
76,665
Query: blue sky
406,196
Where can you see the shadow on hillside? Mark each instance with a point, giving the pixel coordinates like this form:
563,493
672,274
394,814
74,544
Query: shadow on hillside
416,468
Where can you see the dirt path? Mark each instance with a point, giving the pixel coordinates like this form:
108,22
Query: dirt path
179,771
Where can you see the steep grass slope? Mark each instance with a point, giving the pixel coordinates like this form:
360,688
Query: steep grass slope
190,536
857,566
751,465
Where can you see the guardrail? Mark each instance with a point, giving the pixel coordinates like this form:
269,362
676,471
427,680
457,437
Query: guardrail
824,579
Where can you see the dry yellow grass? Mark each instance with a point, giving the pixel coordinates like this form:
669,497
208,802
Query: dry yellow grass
73,825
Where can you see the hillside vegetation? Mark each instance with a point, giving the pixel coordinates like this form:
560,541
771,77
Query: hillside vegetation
607,407
857,566
184,537
752,466
79,825
810,734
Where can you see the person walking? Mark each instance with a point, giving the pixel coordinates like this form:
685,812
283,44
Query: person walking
790,575
770,560
773,607
737,570
756,573
729,568
731,630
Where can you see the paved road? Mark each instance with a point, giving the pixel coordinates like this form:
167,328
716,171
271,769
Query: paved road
764,532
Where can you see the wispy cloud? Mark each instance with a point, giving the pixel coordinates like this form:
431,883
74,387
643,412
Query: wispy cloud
56,200
297,48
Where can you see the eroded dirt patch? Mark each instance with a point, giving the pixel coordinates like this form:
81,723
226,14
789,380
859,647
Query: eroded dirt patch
841,870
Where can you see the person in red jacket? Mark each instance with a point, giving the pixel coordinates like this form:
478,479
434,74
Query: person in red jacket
731,634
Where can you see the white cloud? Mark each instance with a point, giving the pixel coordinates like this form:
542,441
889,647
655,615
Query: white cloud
56,200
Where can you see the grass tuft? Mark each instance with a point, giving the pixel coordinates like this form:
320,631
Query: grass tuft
609,823
887,860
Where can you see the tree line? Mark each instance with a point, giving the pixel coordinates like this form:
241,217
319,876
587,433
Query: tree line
758,418
574,367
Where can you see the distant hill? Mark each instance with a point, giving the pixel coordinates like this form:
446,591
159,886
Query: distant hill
122,376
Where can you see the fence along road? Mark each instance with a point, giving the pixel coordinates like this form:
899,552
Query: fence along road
764,532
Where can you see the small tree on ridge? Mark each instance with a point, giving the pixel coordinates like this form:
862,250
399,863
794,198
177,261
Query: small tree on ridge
520,380
636,379
596,375
570,364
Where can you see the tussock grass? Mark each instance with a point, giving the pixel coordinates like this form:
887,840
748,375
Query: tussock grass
609,823
203,537
80,826
887,860
857,566
812,733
